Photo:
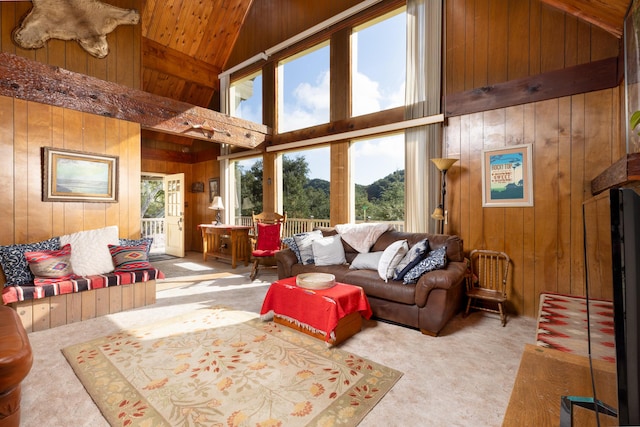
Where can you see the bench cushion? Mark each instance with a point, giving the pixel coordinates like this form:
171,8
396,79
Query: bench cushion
27,292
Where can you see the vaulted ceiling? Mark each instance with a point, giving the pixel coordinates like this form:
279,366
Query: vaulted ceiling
186,43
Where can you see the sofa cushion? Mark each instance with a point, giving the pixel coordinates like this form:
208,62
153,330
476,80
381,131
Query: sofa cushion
14,264
435,260
366,261
416,253
129,258
290,242
90,250
304,243
50,266
390,258
328,251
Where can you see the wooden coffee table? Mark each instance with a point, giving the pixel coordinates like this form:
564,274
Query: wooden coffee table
332,315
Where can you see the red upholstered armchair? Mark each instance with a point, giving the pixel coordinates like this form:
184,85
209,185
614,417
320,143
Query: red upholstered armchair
267,231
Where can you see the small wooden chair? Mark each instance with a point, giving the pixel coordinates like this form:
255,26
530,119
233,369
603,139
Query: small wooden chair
487,283
267,240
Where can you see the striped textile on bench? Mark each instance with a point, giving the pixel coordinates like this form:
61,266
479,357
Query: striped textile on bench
28,292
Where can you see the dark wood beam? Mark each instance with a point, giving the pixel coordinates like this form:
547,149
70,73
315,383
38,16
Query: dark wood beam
584,78
174,63
32,81
622,172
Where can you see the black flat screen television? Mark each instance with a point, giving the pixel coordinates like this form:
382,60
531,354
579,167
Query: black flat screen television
612,258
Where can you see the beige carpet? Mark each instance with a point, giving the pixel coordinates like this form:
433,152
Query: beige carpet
220,366
462,378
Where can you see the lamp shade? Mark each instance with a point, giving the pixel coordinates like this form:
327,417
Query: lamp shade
443,164
217,204
438,214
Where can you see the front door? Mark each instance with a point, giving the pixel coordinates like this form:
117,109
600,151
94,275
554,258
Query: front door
174,214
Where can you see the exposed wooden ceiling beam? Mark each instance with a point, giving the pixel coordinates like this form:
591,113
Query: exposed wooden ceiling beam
606,14
32,81
174,63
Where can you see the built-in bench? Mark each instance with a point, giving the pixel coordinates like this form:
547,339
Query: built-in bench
77,277
48,306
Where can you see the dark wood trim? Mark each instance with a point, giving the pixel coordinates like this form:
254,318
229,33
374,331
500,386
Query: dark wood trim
33,81
584,78
622,172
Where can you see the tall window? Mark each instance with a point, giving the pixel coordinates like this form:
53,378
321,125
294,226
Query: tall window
303,89
246,98
378,57
305,176
248,186
378,176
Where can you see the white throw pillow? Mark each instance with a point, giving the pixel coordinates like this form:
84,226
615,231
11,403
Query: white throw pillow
90,254
328,251
366,261
391,257
304,242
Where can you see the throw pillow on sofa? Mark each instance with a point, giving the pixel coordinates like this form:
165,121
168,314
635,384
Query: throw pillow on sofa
435,260
328,251
290,242
14,264
50,266
304,243
366,261
416,253
390,258
137,242
129,258
90,250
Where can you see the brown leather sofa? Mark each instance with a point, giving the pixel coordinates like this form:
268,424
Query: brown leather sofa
15,363
427,305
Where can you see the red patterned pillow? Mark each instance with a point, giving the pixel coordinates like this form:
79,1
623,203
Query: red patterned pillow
50,266
129,258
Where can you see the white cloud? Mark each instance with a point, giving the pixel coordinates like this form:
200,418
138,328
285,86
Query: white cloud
367,95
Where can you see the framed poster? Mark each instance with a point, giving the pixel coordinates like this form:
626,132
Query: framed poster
507,177
75,176
214,188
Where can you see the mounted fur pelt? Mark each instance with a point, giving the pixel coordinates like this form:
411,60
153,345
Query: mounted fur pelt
86,21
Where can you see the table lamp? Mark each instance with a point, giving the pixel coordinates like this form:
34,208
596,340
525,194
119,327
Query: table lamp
217,206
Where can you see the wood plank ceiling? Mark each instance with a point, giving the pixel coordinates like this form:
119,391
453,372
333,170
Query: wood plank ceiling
186,43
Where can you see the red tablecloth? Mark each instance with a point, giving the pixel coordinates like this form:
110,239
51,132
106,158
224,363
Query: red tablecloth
316,310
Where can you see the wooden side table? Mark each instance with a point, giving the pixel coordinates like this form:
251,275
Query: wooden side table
212,237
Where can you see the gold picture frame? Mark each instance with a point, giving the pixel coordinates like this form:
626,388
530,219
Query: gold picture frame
507,177
76,176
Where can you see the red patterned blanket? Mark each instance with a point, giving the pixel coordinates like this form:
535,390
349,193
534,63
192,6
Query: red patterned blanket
562,325
26,292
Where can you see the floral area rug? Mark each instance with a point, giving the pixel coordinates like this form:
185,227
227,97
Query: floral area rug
221,367
562,325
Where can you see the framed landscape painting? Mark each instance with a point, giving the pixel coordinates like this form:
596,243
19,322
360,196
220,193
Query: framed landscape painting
75,176
507,177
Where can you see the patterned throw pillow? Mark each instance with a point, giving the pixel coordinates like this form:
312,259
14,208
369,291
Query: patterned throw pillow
138,242
291,243
50,266
411,259
435,260
14,264
304,242
129,258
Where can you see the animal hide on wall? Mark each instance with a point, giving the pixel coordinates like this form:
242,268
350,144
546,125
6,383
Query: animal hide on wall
86,21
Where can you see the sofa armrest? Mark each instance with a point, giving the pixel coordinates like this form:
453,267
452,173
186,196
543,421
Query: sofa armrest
285,259
445,278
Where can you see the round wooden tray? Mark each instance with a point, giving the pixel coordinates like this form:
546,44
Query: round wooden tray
315,280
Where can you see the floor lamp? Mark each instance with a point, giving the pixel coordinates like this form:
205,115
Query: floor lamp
439,213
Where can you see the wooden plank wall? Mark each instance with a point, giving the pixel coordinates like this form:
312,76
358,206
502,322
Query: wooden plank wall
25,127
574,139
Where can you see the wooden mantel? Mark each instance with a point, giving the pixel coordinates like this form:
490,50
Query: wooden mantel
33,81
622,172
